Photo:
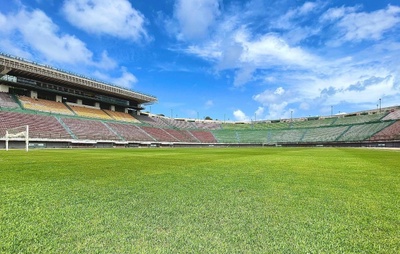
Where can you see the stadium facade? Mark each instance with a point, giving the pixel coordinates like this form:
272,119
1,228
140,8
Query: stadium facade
63,109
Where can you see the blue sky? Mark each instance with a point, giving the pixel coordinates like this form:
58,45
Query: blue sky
230,60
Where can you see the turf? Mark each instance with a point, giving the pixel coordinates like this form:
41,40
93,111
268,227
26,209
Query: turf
248,200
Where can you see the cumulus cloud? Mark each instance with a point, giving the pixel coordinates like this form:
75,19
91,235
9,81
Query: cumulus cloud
195,18
240,116
269,96
259,112
115,18
126,78
283,56
33,31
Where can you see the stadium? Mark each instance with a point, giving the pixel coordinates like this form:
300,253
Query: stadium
65,110
278,186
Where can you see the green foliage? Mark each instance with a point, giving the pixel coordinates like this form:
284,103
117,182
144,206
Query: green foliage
253,200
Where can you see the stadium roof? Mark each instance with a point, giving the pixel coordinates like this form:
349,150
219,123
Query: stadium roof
18,66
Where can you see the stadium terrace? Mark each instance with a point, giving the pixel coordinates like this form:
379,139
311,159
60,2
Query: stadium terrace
62,109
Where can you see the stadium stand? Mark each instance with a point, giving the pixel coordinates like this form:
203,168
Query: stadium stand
313,123
180,124
225,136
203,136
207,125
362,131
130,132
89,112
394,115
89,129
182,135
252,136
284,136
7,101
121,116
44,105
272,125
40,126
160,134
145,119
392,132
359,119
323,134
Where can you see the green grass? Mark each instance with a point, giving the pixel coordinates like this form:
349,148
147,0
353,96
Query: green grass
252,200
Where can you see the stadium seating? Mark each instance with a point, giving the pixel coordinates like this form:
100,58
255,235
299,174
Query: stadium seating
207,125
90,112
323,134
394,115
313,123
44,105
203,136
124,127
362,131
392,132
252,136
359,119
180,124
160,134
226,136
130,132
121,116
182,135
284,136
144,119
89,129
7,101
40,126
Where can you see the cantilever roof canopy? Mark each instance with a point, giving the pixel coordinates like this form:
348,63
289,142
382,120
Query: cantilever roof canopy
18,66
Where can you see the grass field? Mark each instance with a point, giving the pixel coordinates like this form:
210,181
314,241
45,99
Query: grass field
249,200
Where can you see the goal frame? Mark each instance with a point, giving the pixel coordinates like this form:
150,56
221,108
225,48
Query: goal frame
25,134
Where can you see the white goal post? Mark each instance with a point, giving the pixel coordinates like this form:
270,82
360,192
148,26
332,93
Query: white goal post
18,133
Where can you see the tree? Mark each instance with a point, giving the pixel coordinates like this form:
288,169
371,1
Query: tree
207,118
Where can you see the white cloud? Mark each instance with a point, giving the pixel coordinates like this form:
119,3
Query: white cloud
279,91
366,91
273,50
34,32
278,111
295,62
211,51
357,26
240,116
268,96
126,79
195,18
286,21
115,18
334,14
243,76
259,112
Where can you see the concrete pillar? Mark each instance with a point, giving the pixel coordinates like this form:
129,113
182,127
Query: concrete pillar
4,88
58,98
112,108
34,95
97,104
79,101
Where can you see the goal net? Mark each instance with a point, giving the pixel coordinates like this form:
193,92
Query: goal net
18,133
